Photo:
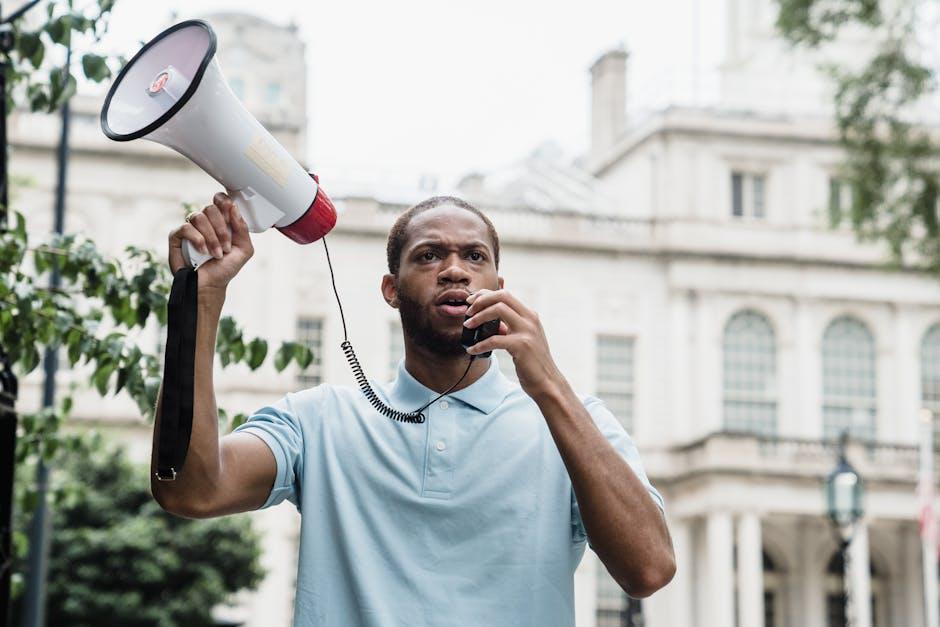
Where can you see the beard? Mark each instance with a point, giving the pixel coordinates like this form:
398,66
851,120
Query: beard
416,323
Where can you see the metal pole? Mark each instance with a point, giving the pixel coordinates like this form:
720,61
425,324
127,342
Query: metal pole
8,382
928,536
847,582
34,605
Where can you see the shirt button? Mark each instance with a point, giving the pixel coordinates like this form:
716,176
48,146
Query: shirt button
440,446
444,405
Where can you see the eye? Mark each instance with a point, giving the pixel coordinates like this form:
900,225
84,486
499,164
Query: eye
476,255
427,255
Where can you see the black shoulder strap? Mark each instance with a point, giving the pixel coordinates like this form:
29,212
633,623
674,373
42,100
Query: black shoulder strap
176,413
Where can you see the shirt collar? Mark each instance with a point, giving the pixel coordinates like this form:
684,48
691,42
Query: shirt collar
485,394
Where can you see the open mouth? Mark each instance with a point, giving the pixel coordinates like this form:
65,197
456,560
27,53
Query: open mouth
455,308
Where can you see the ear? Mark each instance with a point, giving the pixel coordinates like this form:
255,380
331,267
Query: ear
499,281
389,290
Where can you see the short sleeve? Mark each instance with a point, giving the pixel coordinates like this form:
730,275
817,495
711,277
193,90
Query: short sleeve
279,426
614,432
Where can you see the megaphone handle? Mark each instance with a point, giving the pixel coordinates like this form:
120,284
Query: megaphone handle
193,257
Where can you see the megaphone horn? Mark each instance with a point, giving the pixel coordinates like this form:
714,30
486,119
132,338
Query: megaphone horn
173,92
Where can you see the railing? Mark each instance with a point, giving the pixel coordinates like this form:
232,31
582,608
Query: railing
737,453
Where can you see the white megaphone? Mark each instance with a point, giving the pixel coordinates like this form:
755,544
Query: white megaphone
173,92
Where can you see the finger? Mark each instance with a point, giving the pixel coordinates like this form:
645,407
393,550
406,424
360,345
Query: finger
222,200
485,298
499,310
220,224
240,237
201,222
491,343
191,234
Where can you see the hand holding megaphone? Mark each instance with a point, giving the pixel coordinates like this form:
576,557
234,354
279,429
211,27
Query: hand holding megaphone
220,234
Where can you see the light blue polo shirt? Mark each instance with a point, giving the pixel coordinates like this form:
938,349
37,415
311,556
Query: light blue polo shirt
466,520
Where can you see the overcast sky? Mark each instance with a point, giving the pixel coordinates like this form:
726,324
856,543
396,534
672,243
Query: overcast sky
414,87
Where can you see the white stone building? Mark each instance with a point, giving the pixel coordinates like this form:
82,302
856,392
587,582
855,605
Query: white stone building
683,272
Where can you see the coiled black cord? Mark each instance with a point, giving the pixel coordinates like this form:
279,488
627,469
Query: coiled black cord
414,417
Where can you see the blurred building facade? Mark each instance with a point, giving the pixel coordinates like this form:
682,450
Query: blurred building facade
695,287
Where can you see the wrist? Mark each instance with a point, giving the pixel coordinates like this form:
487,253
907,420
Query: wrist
210,297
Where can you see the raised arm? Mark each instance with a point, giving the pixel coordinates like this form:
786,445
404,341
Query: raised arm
236,473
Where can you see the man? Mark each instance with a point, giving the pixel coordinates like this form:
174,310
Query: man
477,517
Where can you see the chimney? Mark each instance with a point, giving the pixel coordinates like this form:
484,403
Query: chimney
608,99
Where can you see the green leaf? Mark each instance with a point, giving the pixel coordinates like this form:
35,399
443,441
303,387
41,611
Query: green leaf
257,351
238,420
29,46
283,355
303,355
100,378
60,30
122,376
95,67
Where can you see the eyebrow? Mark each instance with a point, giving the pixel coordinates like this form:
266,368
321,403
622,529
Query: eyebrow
434,243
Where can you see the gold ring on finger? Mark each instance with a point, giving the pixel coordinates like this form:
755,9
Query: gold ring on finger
190,217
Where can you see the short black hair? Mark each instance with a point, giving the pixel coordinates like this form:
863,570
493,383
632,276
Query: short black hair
399,231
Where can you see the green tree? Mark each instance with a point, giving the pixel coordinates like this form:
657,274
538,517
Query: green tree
97,313
116,558
890,161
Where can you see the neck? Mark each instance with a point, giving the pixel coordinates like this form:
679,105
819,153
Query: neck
440,373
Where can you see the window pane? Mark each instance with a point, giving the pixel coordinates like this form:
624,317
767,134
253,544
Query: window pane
930,376
750,371
615,376
737,194
310,333
849,392
835,196
758,187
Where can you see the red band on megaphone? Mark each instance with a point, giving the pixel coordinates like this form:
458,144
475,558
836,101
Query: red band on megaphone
316,222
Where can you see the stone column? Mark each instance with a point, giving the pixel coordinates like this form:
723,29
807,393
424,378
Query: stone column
719,587
859,577
811,605
750,571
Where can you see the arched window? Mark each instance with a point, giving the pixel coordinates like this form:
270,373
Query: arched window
849,396
930,376
750,374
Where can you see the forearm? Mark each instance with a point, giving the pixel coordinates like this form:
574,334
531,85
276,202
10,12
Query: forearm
626,527
200,473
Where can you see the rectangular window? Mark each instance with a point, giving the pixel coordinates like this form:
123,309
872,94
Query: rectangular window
737,194
615,376
310,333
840,200
757,182
748,195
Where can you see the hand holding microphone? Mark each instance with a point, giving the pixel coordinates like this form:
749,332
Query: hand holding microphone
219,231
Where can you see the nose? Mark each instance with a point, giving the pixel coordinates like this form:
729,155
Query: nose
453,271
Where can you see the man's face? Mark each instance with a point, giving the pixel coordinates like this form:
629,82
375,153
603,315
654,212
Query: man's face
447,256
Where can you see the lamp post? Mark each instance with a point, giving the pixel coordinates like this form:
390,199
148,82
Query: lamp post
844,493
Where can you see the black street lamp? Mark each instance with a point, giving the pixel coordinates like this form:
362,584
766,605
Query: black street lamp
844,502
